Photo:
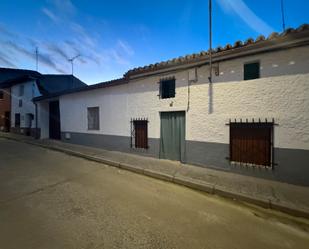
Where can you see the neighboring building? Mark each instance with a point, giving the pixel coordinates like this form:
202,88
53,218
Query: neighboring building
252,119
28,86
5,109
6,75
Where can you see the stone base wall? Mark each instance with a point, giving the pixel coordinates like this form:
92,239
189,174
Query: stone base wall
290,164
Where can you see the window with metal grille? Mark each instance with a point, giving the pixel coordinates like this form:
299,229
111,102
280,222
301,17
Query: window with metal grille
167,88
93,118
139,133
251,143
251,71
17,120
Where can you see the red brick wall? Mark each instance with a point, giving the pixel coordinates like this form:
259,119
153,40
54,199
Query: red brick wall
5,105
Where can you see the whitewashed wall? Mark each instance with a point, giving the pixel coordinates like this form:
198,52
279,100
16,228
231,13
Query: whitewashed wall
43,118
30,91
281,93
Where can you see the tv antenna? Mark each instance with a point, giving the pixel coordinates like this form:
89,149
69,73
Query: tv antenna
37,58
72,61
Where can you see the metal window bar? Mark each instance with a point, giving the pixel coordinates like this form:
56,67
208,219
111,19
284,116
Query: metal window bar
139,133
255,123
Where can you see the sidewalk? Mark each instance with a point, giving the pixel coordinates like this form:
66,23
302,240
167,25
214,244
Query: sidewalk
279,196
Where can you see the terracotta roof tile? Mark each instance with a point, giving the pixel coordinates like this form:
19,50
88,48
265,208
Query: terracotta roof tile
203,54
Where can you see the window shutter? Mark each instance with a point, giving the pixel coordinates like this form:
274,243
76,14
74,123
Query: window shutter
172,88
252,71
93,118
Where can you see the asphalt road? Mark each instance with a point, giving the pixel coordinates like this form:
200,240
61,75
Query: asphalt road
51,200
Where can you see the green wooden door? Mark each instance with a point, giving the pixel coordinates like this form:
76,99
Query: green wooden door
172,140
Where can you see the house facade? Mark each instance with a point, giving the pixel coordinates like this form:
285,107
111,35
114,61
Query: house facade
250,118
5,109
23,109
8,76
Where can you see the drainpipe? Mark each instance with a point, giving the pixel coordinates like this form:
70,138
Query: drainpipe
36,120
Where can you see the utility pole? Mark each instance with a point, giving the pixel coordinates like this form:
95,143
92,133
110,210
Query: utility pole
282,14
72,61
210,41
210,93
37,58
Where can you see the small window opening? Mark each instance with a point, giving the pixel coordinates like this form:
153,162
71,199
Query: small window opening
251,71
167,88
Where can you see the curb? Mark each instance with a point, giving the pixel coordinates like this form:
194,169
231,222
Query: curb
187,182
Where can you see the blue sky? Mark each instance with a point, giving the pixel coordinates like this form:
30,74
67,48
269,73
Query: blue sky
114,36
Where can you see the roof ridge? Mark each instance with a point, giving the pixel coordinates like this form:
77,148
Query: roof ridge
18,69
203,54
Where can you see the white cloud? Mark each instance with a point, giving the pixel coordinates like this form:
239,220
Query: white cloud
246,14
125,47
51,15
64,6
83,36
116,57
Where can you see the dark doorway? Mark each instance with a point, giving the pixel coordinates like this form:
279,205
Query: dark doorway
7,121
172,140
17,120
54,120
141,133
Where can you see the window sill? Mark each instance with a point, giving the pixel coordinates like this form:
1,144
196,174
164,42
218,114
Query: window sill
139,149
252,79
250,165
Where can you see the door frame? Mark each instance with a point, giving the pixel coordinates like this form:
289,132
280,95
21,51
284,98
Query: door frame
182,157
54,122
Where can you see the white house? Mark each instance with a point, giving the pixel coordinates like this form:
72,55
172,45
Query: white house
27,85
22,108
252,118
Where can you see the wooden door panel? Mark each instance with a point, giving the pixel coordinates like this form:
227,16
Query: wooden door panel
251,143
141,134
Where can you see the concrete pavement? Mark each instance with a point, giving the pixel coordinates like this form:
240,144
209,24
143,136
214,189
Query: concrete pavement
279,196
52,200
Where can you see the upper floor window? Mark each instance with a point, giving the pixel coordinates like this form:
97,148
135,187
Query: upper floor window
1,94
20,103
167,88
251,71
93,118
21,90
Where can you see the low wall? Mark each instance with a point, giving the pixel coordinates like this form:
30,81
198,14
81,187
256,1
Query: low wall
33,132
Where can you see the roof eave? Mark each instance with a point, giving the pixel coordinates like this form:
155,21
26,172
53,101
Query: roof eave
280,43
